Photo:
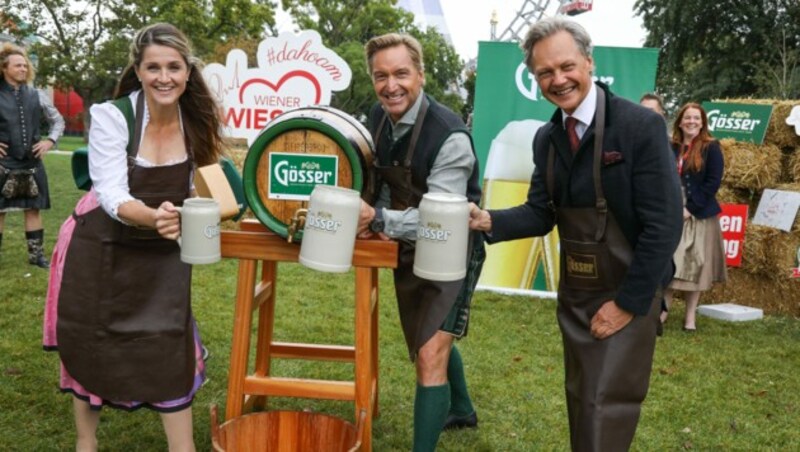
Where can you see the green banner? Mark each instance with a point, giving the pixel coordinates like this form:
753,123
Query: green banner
293,176
742,122
509,108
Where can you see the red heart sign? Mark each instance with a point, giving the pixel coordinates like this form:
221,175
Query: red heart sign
277,86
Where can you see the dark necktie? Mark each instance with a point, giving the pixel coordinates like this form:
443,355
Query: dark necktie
572,134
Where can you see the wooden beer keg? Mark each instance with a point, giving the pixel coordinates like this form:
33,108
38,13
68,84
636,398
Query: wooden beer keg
298,150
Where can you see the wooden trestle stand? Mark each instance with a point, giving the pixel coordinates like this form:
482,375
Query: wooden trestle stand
254,243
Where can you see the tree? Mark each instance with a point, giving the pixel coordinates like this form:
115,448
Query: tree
719,49
346,25
469,85
84,45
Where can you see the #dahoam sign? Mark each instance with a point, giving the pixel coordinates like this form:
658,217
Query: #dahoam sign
293,71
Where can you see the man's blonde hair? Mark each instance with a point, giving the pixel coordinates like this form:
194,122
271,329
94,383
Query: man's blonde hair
388,40
6,50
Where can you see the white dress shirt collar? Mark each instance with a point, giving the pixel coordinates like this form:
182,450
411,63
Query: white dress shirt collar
584,113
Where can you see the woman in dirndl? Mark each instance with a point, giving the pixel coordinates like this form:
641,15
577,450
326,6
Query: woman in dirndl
700,257
119,303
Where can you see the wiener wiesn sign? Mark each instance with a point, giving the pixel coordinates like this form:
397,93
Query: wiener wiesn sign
293,71
742,122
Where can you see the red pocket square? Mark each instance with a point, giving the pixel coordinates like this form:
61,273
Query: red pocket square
611,157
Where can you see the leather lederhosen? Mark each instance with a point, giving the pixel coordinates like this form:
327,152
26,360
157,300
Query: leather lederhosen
424,305
606,380
124,315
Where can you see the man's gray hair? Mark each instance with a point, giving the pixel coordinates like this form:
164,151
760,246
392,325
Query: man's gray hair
548,27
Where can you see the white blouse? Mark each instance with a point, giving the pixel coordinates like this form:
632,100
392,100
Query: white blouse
108,158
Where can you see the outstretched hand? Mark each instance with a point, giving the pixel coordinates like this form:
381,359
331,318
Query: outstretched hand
365,216
479,220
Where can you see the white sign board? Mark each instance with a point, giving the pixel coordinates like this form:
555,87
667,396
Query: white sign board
777,209
293,71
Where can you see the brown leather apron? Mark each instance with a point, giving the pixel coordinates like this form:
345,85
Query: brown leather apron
606,380
423,305
124,315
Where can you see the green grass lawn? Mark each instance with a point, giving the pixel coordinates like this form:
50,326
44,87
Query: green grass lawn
730,386
70,143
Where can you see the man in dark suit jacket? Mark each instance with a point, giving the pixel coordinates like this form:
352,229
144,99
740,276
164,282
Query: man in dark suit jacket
618,231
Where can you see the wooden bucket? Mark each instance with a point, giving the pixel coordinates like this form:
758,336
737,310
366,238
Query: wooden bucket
285,431
298,150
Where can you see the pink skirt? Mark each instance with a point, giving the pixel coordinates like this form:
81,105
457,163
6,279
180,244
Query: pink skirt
49,340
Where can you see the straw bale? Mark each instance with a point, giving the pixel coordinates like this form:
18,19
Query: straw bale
769,252
778,133
750,166
775,298
733,195
792,166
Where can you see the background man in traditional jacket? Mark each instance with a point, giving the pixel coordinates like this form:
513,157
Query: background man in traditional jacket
24,181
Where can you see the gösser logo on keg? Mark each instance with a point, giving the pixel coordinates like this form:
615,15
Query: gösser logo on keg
293,176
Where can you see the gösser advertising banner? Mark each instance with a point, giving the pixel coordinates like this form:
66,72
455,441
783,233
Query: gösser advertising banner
742,122
509,108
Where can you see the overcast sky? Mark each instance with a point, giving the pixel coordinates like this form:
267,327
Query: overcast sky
610,22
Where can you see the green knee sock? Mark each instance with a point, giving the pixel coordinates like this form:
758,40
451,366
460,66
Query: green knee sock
460,403
430,411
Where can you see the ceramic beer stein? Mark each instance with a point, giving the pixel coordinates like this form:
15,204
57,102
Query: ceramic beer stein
330,230
199,240
442,237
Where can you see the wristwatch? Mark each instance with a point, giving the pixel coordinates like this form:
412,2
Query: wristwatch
377,224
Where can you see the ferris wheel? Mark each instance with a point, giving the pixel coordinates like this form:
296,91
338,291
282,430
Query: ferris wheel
532,11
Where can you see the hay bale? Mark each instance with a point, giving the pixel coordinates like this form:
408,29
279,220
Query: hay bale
733,195
769,252
775,298
792,166
778,133
750,166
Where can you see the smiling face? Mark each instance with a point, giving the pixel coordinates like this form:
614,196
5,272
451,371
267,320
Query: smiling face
16,70
164,75
564,74
691,124
396,80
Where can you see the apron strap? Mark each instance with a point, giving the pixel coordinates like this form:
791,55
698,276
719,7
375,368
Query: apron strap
412,145
599,133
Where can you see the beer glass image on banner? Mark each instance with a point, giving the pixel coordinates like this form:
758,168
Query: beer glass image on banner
330,229
442,237
530,263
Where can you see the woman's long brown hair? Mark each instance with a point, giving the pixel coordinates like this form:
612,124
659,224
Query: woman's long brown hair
694,156
199,109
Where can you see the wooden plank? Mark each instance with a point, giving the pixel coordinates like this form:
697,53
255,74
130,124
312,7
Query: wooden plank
263,292
247,244
300,387
293,350
240,344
